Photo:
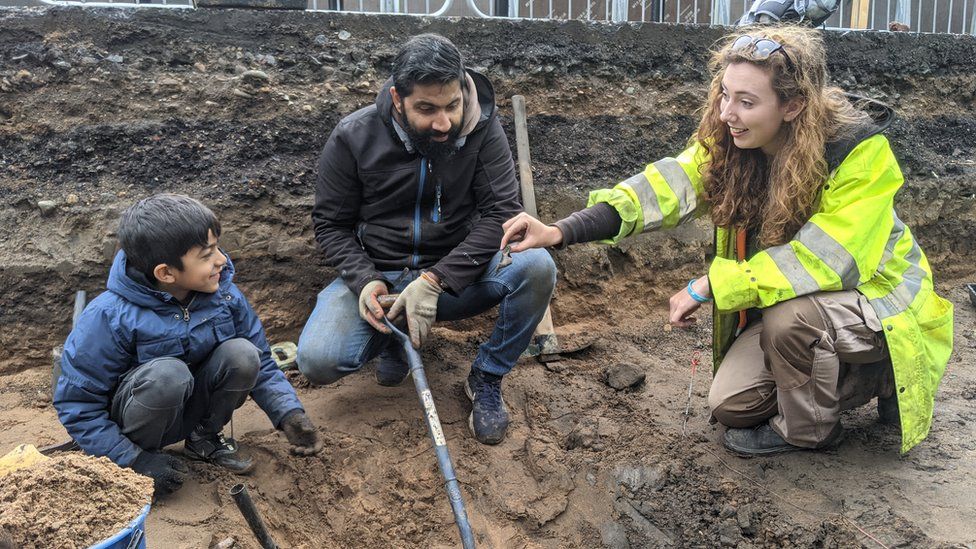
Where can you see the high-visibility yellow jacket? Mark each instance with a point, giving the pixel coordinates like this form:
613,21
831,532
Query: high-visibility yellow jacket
853,240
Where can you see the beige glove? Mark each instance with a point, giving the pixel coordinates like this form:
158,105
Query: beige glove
369,307
419,300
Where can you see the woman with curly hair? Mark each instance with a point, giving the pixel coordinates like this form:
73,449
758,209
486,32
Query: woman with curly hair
822,297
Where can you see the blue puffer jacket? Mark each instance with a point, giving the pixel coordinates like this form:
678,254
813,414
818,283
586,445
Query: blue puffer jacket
131,324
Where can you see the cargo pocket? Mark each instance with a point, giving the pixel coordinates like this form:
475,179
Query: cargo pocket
161,348
224,328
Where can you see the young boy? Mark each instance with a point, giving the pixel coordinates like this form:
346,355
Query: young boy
170,351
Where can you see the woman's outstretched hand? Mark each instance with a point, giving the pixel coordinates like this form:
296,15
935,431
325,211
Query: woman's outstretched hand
683,305
525,232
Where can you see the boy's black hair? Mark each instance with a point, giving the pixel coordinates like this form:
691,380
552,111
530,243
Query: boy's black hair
162,229
427,59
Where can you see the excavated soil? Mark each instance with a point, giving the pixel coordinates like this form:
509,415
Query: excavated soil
71,501
100,107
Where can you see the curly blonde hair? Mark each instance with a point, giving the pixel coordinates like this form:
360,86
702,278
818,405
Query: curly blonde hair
745,188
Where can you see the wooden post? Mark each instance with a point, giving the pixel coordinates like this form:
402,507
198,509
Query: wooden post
860,14
545,335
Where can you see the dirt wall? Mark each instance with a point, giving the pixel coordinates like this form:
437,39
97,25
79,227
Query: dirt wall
101,107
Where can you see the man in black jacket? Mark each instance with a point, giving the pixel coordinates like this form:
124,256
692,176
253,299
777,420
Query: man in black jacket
410,198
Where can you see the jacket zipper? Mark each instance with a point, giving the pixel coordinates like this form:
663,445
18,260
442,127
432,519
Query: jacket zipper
186,310
416,213
435,215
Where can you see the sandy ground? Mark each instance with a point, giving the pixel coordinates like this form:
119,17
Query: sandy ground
98,108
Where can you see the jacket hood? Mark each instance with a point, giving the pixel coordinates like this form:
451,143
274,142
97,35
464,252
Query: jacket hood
476,116
135,288
881,117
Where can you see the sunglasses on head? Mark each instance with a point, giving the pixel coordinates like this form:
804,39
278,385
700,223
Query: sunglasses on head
762,47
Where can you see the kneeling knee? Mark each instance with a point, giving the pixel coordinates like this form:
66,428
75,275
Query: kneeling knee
320,369
164,383
540,272
245,361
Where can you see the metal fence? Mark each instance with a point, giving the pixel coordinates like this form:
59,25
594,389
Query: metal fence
928,16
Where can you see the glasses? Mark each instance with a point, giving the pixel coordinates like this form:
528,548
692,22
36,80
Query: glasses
763,47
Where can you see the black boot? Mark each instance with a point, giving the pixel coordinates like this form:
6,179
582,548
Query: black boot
764,441
218,450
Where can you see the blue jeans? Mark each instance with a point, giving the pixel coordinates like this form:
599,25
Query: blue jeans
337,342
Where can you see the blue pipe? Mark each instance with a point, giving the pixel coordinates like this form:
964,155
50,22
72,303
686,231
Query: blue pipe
437,434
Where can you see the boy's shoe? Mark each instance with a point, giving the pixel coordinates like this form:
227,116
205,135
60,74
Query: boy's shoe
218,450
393,367
489,416
764,441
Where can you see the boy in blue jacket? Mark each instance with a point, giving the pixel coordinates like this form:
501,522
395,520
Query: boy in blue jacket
170,351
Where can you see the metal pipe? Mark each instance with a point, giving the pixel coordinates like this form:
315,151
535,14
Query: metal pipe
251,515
437,435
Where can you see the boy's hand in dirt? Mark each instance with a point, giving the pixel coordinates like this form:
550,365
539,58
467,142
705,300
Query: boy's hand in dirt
168,472
369,307
683,305
301,434
528,232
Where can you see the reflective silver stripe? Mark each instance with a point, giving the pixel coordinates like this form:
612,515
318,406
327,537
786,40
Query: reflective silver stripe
648,200
831,253
897,230
681,186
905,292
785,258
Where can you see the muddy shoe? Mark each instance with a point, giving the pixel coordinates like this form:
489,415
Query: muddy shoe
888,410
393,367
489,416
764,441
218,450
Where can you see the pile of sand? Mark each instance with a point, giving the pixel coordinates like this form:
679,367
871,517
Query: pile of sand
70,501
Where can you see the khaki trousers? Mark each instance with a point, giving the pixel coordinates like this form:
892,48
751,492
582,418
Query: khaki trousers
801,364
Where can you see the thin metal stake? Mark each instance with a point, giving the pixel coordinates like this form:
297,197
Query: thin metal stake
695,357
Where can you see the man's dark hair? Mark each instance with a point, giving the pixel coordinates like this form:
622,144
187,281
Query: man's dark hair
162,228
427,59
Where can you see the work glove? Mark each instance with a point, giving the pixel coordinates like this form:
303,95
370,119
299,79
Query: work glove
419,300
168,472
369,307
301,434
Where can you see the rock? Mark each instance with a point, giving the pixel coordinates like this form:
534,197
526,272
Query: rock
169,84
88,60
630,90
71,199
47,207
241,93
743,516
114,59
307,108
268,60
624,375
614,536
61,64
321,40
200,67
728,534
344,35
636,477
227,543
256,78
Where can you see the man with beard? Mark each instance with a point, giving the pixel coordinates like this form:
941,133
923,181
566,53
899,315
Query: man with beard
410,198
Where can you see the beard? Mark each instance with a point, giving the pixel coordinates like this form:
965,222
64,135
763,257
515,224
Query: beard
425,144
